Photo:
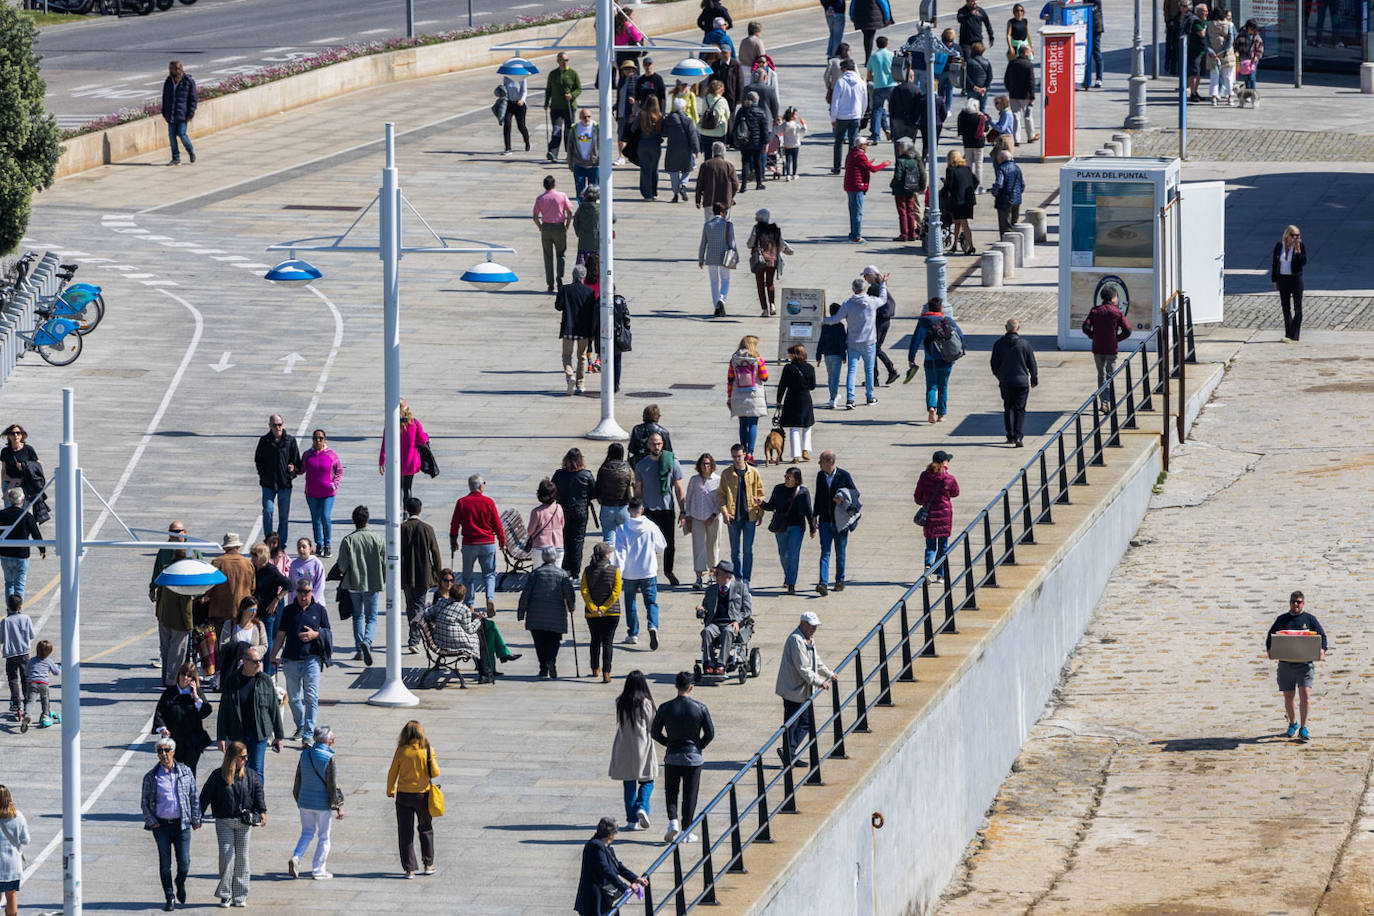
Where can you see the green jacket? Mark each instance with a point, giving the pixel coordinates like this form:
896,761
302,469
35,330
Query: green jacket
362,560
266,723
173,610
904,165
560,82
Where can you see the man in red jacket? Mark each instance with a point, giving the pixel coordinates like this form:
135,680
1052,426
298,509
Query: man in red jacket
1107,327
476,517
857,169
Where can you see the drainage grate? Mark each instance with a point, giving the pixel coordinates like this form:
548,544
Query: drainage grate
648,394
691,386
340,208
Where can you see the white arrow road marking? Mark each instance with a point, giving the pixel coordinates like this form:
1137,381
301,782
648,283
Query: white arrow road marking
291,359
223,362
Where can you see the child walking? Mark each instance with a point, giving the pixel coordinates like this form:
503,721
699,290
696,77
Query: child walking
42,670
16,632
792,130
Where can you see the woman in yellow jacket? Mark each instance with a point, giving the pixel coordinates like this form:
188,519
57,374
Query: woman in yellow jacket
412,770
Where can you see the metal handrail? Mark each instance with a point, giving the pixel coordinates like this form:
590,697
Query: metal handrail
1005,523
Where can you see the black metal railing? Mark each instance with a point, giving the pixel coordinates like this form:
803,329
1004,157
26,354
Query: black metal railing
745,810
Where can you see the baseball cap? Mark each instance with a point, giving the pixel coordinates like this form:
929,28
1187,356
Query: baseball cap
811,618
941,457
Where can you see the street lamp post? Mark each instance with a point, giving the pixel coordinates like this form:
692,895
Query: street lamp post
389,202
926,43
1137,119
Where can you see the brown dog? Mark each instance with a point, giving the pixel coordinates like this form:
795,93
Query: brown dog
772,447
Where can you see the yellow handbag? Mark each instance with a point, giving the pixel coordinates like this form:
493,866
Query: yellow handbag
435,792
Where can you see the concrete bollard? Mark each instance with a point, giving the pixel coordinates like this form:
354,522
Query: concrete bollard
1125,141
990,265
1027,240
1037,218
1105,151
1008,252
1115,147
1018,242
1367,78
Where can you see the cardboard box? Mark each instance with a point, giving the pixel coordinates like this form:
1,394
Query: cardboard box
1295,647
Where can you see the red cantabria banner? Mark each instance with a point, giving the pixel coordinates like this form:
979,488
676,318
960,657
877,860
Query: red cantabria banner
1056,80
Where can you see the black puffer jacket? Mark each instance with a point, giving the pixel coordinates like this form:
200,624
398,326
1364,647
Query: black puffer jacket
614,484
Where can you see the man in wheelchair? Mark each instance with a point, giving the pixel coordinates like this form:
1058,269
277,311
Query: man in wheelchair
726,608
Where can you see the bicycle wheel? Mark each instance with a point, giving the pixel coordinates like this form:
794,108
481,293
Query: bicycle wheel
88,316
59,351
165,5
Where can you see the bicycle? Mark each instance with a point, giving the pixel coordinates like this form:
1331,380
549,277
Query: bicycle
56,339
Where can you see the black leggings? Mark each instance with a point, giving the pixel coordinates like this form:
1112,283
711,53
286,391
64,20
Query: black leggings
602,640
882,328
515,113
868,43
546,643
1290,297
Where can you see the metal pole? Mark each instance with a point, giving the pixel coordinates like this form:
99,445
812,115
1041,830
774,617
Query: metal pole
410,18
1137,119
1154,39
935,258
393,692
69,557
469,13
1300,14
1183,91
605,68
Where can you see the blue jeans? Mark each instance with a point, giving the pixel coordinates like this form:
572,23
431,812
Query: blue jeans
836,23
748,433
834,363
789,552
320,526
171,835
947,92
856,214
742,544
364,618
937,387
841,541
649,587
176,130
1248,79
612,517
1094,62
303,691
935,548
879,111
257,756
846,132
484,555
283,500
584,175
637,795
269,622
869,354
16,574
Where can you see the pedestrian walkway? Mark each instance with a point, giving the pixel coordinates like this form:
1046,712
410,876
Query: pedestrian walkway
1159,778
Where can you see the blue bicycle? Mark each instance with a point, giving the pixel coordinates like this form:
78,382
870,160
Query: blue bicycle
57,339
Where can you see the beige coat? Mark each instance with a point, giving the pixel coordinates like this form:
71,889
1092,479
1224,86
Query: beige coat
633,755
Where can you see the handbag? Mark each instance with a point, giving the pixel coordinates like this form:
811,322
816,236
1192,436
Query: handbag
428,466
435,791
922,515
730,259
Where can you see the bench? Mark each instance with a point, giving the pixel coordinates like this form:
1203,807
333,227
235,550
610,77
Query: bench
441,660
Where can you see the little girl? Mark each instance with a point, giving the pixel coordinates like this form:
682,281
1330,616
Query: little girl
42,669
792,129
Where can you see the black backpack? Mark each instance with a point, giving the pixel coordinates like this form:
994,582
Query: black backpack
709,119
911,181
739,136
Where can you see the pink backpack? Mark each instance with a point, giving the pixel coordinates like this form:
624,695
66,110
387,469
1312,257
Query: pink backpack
746,370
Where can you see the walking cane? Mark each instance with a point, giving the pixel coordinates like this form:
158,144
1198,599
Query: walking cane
546,128
572,625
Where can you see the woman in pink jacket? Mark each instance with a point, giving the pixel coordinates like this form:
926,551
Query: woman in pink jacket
413,436
323,471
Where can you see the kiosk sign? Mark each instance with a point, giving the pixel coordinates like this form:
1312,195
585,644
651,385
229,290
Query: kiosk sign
1057,72
800,321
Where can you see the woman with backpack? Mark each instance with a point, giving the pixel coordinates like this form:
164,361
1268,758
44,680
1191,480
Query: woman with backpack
714,120
744,391
766,248
908,184
934,490
942,341
972,125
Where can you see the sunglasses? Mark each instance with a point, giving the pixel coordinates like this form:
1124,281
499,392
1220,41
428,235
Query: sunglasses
164,750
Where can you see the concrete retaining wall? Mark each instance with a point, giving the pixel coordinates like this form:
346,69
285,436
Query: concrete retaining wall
969,736
136,138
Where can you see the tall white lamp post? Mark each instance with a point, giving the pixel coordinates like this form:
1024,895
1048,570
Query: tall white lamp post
486,276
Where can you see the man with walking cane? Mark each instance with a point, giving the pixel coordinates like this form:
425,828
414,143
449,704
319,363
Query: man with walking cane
546,606
560,101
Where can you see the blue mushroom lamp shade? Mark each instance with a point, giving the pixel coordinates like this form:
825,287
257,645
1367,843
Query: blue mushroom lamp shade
189,577
692,68
489,276
518,67
294,272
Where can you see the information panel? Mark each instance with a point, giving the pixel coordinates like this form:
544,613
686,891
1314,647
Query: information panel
799,319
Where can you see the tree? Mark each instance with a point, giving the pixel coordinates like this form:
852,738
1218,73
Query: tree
29,146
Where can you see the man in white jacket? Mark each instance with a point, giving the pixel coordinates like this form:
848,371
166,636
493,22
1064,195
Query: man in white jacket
800,674
848,99
637,545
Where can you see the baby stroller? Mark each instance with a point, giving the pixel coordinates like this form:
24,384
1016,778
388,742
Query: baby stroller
742,661
772,167
946,224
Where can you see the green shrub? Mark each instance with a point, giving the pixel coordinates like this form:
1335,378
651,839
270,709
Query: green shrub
29,146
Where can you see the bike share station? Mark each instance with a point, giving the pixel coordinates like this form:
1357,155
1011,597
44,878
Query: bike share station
1129,224
1078,17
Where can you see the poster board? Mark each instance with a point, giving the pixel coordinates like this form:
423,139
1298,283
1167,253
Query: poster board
800,310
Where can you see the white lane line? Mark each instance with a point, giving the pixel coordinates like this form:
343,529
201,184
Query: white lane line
180,244
252,265
159,282
331,41
276,50
230,257
428,21
309,415
207,251
138,276
225,60
524,6
157,238
374,31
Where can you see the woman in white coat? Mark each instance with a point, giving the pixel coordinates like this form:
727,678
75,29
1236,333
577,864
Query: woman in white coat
634,758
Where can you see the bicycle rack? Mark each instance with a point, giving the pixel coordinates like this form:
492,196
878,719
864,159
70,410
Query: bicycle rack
20,314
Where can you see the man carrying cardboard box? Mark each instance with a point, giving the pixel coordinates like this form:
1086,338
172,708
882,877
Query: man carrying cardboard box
1296,676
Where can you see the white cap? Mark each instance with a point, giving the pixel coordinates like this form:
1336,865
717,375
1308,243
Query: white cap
811,618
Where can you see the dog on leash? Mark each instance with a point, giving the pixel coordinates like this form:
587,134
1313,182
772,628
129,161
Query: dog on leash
1246,94
772,447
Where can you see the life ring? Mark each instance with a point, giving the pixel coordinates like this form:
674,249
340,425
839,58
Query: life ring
877,821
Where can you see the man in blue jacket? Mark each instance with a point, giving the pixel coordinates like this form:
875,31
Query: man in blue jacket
178,108
1008,184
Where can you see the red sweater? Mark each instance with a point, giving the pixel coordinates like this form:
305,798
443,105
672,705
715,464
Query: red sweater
476,515
857,168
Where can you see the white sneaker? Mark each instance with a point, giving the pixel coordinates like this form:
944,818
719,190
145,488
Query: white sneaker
620,161
643,819
630,826
292,864
631,640
672,832
322,876
692,838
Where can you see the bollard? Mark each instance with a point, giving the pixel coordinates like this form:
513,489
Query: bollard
1125,141
1105,151
1018,247
1036,217
1027,241
1008,252
1367,78
990,264
1114,146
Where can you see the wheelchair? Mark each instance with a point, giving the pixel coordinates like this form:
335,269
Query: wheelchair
743,662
